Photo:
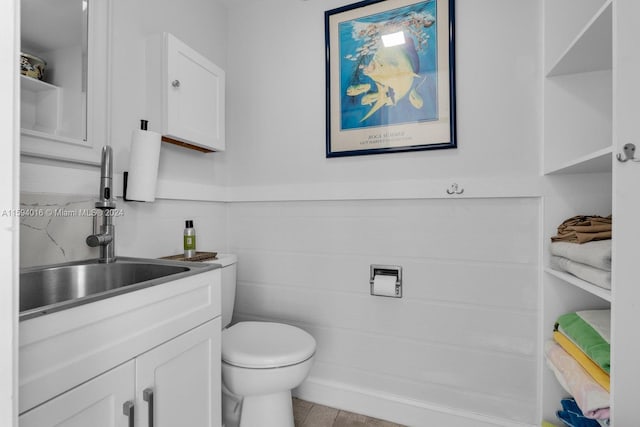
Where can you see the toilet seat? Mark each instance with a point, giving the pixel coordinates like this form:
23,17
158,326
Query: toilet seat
263,345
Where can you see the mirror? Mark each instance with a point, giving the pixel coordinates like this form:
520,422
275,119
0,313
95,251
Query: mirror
54,68
64,59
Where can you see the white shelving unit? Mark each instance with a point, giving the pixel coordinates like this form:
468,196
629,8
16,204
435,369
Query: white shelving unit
591,48
604,294
42,111
578,151
598,161
40,106
66,116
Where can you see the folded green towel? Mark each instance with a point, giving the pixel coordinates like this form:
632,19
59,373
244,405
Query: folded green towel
585,336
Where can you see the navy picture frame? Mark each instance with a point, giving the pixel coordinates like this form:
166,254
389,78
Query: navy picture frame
378,98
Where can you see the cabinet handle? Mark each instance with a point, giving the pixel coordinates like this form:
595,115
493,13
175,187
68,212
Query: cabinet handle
175,83
147,396
128,410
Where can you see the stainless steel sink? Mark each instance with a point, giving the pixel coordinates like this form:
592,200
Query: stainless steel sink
57,287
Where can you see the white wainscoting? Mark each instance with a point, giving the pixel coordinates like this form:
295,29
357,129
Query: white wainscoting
461,342
459,347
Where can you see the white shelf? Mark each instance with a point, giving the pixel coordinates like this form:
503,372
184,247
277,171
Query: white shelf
35,85
40,105
591,49
597,162
52,136
602,293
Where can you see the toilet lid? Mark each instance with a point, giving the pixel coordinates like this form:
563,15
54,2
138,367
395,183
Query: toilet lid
266,345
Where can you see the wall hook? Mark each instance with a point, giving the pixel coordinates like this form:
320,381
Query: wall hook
455,189
629,153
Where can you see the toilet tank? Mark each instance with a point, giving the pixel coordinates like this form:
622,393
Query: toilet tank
228,263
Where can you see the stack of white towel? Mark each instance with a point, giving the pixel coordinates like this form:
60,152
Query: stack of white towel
589,261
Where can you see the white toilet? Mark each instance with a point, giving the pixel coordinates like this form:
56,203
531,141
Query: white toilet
261,363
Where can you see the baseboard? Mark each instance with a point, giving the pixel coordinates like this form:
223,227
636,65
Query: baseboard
393,408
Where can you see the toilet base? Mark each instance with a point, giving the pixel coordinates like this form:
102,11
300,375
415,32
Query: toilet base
267,410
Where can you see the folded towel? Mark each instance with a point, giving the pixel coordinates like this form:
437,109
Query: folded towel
596,276
572,416
596,372
599,320
575,237
593,343
595,254
582,229
592,399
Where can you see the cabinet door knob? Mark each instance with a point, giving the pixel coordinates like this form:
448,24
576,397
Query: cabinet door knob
147,396
175,83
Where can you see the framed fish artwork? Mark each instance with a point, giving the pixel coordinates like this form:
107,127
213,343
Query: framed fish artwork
390,77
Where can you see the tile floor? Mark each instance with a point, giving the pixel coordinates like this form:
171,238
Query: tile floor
308,414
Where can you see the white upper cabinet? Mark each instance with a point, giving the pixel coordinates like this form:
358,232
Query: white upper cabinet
185,95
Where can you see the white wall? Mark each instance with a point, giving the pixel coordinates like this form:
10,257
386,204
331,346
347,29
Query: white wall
202,24
292,252
276,106
464,334
462,341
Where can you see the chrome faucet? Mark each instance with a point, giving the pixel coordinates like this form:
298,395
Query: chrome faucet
106,237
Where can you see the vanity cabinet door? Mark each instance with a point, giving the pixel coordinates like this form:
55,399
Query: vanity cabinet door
179,382
186,95
96,403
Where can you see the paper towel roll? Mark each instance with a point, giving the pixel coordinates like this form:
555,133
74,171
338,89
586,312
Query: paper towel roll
143,165
384,285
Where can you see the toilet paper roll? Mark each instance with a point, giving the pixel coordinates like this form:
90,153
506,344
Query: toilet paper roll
143,165
384,285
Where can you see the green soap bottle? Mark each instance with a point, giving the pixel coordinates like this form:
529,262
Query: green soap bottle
189,239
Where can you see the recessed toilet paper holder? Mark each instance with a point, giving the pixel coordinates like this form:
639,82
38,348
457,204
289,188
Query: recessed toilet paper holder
386,270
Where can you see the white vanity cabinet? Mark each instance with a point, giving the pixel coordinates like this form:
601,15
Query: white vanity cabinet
97,403
185,95
157,348
178,382
175,384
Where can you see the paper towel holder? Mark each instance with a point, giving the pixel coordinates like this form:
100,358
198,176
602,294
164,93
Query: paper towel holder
144,125
387,270
125,179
